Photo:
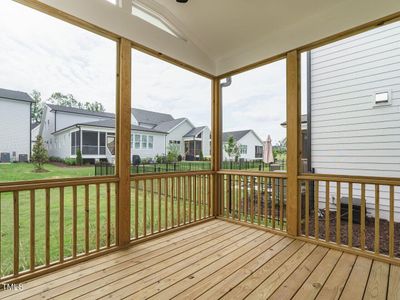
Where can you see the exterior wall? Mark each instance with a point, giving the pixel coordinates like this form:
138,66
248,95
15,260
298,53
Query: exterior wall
158,145
15,127
64,120
61,147
350,135
46,130
251,141
177,135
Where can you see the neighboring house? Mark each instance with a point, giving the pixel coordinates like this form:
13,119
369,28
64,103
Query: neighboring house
354,86
66,129
251,146
15,126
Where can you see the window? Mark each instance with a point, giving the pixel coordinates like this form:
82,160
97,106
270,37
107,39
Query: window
243,149
102,147
259,151
150,145
144,141
137,141
174,142
90,142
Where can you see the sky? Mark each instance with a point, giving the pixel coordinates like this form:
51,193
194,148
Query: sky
46,54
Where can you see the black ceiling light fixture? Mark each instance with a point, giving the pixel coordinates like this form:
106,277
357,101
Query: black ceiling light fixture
182,1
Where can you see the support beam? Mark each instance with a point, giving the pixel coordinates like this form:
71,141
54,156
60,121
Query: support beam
293,108
124,141
216,119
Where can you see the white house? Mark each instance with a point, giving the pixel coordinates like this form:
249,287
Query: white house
354,86
251,146
15,124
66,129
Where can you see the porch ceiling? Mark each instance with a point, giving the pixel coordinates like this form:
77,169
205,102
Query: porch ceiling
225,35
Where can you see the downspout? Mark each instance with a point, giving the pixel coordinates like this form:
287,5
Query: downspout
227,83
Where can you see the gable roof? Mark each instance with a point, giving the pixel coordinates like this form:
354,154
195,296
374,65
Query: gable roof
195,131
15,95
80,111
150,117
237,135
109,123
169,125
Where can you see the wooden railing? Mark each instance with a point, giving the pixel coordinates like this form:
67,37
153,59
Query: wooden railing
356,213
161,202
254,198
49,223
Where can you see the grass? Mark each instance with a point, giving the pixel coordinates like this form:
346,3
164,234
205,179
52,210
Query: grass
24,171
12,172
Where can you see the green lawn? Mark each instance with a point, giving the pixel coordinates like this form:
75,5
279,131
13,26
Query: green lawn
12,172
24,171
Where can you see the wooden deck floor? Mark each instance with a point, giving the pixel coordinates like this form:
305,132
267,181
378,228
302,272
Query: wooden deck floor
216,260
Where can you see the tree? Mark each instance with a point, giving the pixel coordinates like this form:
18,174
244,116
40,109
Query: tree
78,157
173,153
37,107
39,154
70,101
232,148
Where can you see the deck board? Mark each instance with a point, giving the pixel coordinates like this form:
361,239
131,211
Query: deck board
217,259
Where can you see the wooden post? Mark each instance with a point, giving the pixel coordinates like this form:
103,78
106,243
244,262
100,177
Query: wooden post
293,107
216,119
124,141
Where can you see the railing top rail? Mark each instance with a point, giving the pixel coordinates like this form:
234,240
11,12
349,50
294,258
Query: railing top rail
351,179
43,184
256,174
169,174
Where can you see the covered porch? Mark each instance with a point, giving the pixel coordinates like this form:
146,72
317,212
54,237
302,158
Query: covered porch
213,233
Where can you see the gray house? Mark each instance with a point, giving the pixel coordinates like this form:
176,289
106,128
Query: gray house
15,124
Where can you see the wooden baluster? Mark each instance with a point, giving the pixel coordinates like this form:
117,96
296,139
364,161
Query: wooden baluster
74,221
108,229
152,206
327,211
116,214
195,198
16,231
185,189
86,219
376,243
273,202
233,193
97,217
239,197
61,223
172,202
362,233
209,195
47,229
204,190
391,222
281,203
166,203
266,196
190,198
307,209
259,200
179,199
252,200
144,207
136,209
227,196
159,203
338,213
199,196
32,230
246,200
350,216
316,202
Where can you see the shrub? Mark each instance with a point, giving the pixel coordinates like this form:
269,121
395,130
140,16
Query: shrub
179,157
173,152
136,160
70,161
56,159
201,156
161,159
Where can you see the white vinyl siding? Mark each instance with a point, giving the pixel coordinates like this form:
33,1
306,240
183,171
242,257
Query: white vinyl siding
350,134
